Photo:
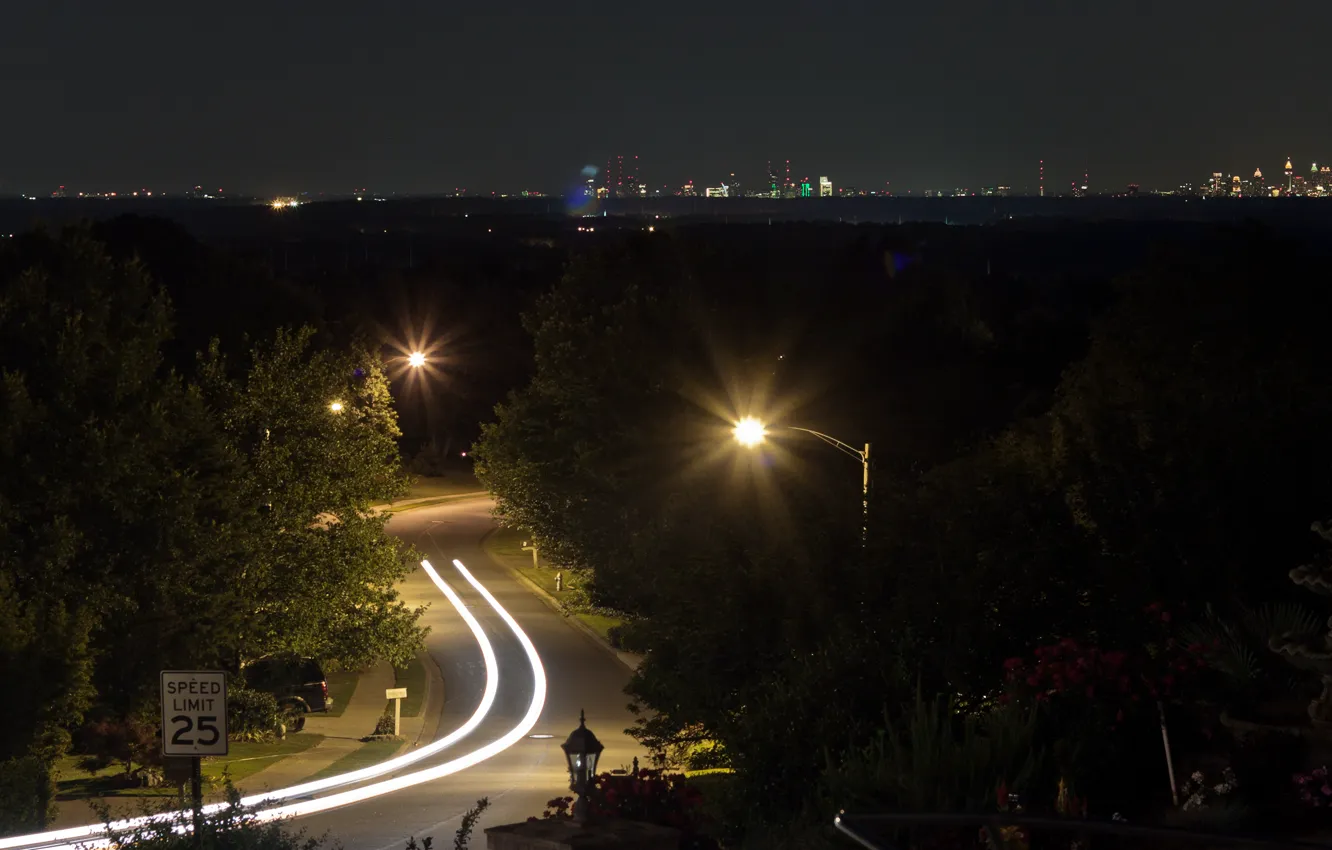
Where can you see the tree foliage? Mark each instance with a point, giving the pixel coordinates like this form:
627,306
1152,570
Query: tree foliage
1048,458
151,519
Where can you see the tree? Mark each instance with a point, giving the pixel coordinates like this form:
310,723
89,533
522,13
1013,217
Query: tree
149,520
107,550
317,575
1191,441
577,457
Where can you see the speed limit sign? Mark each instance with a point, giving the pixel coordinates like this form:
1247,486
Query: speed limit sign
194,713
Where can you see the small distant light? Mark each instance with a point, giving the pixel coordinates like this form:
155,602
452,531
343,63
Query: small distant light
462,454
651,228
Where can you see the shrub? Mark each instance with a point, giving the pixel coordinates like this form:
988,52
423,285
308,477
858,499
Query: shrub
127,742
253,715
648,796
628,637
232,828
27,795
384,726
933,758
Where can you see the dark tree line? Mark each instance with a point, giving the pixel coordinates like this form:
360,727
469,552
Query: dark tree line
157,513
1053,454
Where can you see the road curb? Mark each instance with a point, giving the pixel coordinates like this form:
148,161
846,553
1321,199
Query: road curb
433,705
425,502
625,658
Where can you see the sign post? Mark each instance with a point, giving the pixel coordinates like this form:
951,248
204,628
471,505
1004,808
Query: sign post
397,695
194,725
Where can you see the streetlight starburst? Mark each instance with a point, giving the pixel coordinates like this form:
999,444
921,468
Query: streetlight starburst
416,359
336,407
749,432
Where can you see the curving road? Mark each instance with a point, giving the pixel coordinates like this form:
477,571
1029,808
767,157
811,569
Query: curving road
581,675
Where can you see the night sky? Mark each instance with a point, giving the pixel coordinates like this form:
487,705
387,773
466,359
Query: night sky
284,96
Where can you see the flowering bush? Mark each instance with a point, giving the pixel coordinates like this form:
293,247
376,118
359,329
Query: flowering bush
1314,788
1070,668
1196,789
650,796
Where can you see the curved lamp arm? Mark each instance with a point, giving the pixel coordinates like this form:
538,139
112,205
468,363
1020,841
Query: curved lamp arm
832,441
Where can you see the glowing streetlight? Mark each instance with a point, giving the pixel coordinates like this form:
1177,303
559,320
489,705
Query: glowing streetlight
416,360
336,407
749,432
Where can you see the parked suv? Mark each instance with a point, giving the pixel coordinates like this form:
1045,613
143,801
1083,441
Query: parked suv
298,683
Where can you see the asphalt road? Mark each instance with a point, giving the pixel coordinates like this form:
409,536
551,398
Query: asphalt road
581,675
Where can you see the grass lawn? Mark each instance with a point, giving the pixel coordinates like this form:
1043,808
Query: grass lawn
413,678
371,752
600,623
75,783
506,546
340,688
462,481
244,759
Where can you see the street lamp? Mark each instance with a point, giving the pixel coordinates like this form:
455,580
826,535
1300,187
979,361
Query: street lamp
416,359
749,432
336,407
581,750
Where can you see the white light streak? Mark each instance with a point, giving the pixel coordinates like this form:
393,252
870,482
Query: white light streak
92,835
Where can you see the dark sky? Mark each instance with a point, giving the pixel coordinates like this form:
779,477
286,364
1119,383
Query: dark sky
398,95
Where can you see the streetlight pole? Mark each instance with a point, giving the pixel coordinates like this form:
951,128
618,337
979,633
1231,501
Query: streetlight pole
862,455
750,432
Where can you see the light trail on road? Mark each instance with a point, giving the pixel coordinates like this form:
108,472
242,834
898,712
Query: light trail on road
93,835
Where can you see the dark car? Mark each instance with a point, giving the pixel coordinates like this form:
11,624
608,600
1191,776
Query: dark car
298,683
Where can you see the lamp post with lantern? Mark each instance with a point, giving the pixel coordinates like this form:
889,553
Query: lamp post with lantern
581,751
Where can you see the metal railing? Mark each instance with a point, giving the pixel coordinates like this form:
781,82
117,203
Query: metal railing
881,831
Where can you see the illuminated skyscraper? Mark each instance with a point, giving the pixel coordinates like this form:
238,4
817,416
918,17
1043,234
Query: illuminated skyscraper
1042,179
774,190
825,187
622,178
1290,176
1259,185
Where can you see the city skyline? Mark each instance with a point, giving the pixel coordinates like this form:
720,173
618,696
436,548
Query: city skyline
425,99
625,176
